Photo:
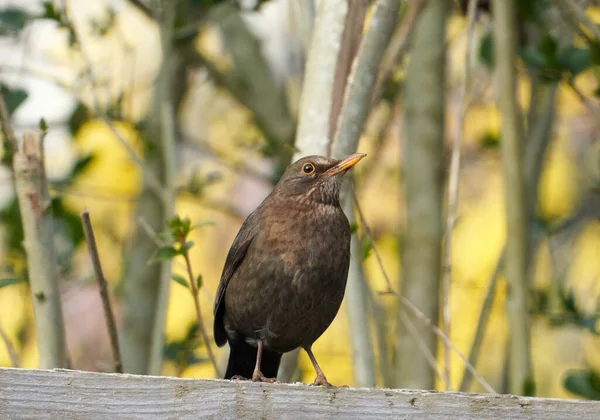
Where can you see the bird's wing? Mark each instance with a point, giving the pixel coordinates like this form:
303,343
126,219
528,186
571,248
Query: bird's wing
236,255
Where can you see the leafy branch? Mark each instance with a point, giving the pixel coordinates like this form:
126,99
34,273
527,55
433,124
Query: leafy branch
179,245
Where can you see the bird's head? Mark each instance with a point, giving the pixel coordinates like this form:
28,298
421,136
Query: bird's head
316,178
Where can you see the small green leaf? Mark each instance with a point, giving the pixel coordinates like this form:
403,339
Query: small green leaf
10,282
187,246
548,46
13,97
81,165
12,20
186,225
353,227
585,383
180,228
486,49
199,281
163,253
595,52
50,12
533,57
367,247
180,280
575,60
43,125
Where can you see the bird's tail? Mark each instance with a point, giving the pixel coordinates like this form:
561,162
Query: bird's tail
242,358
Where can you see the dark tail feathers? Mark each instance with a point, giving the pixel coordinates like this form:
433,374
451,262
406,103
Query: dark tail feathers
242,358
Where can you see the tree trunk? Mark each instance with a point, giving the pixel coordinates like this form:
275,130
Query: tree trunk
423,164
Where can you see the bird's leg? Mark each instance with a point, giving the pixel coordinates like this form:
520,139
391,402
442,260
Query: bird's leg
320,380
257,375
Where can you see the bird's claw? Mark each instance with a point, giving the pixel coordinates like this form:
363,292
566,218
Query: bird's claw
259,377
321,380
239,378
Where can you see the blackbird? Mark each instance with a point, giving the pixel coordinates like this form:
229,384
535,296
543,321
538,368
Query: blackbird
285,274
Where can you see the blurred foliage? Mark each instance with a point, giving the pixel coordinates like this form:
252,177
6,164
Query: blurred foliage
182,352
583,383
102,177
12,20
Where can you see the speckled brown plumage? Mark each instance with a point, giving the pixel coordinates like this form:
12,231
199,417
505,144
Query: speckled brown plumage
284,277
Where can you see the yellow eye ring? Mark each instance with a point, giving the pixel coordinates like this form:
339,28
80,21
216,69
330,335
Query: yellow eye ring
308,168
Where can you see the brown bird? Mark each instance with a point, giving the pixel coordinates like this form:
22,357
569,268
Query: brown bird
285,275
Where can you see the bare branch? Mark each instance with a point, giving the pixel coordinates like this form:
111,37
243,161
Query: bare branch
407,304
7,129
10,348
576,16
453,186
38,228
358,93
149,175
351,39
138,4
398,45
517,210
312,135
109,315
201,326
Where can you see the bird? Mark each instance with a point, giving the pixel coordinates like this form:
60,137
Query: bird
285,274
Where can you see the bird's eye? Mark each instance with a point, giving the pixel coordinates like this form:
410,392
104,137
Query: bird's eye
308,168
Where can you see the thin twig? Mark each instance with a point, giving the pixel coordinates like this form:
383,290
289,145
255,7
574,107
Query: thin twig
412,329
10,348
408,304
398,46
7,129
153,182
482,322
453,188
109,315
138,4
585,100
205,338
576,16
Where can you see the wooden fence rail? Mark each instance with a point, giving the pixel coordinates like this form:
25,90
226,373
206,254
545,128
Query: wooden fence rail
66,394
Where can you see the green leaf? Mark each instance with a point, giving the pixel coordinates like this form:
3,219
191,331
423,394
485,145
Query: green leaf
367,247
162,254
180,280
80,116
575,60
12,20
353,227
585,383
43,125
486,49
187,246
50,12
533,57
595,52
199,281
81,165
548,47
13,97
180,228
10,282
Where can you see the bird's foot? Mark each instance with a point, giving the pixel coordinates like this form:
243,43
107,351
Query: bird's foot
239,378
321,380
257,376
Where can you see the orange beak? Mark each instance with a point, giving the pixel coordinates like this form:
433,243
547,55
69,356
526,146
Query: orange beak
345,164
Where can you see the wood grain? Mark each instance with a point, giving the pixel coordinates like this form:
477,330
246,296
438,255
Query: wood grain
67,394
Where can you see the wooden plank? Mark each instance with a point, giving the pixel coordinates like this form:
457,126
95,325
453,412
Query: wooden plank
66,394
